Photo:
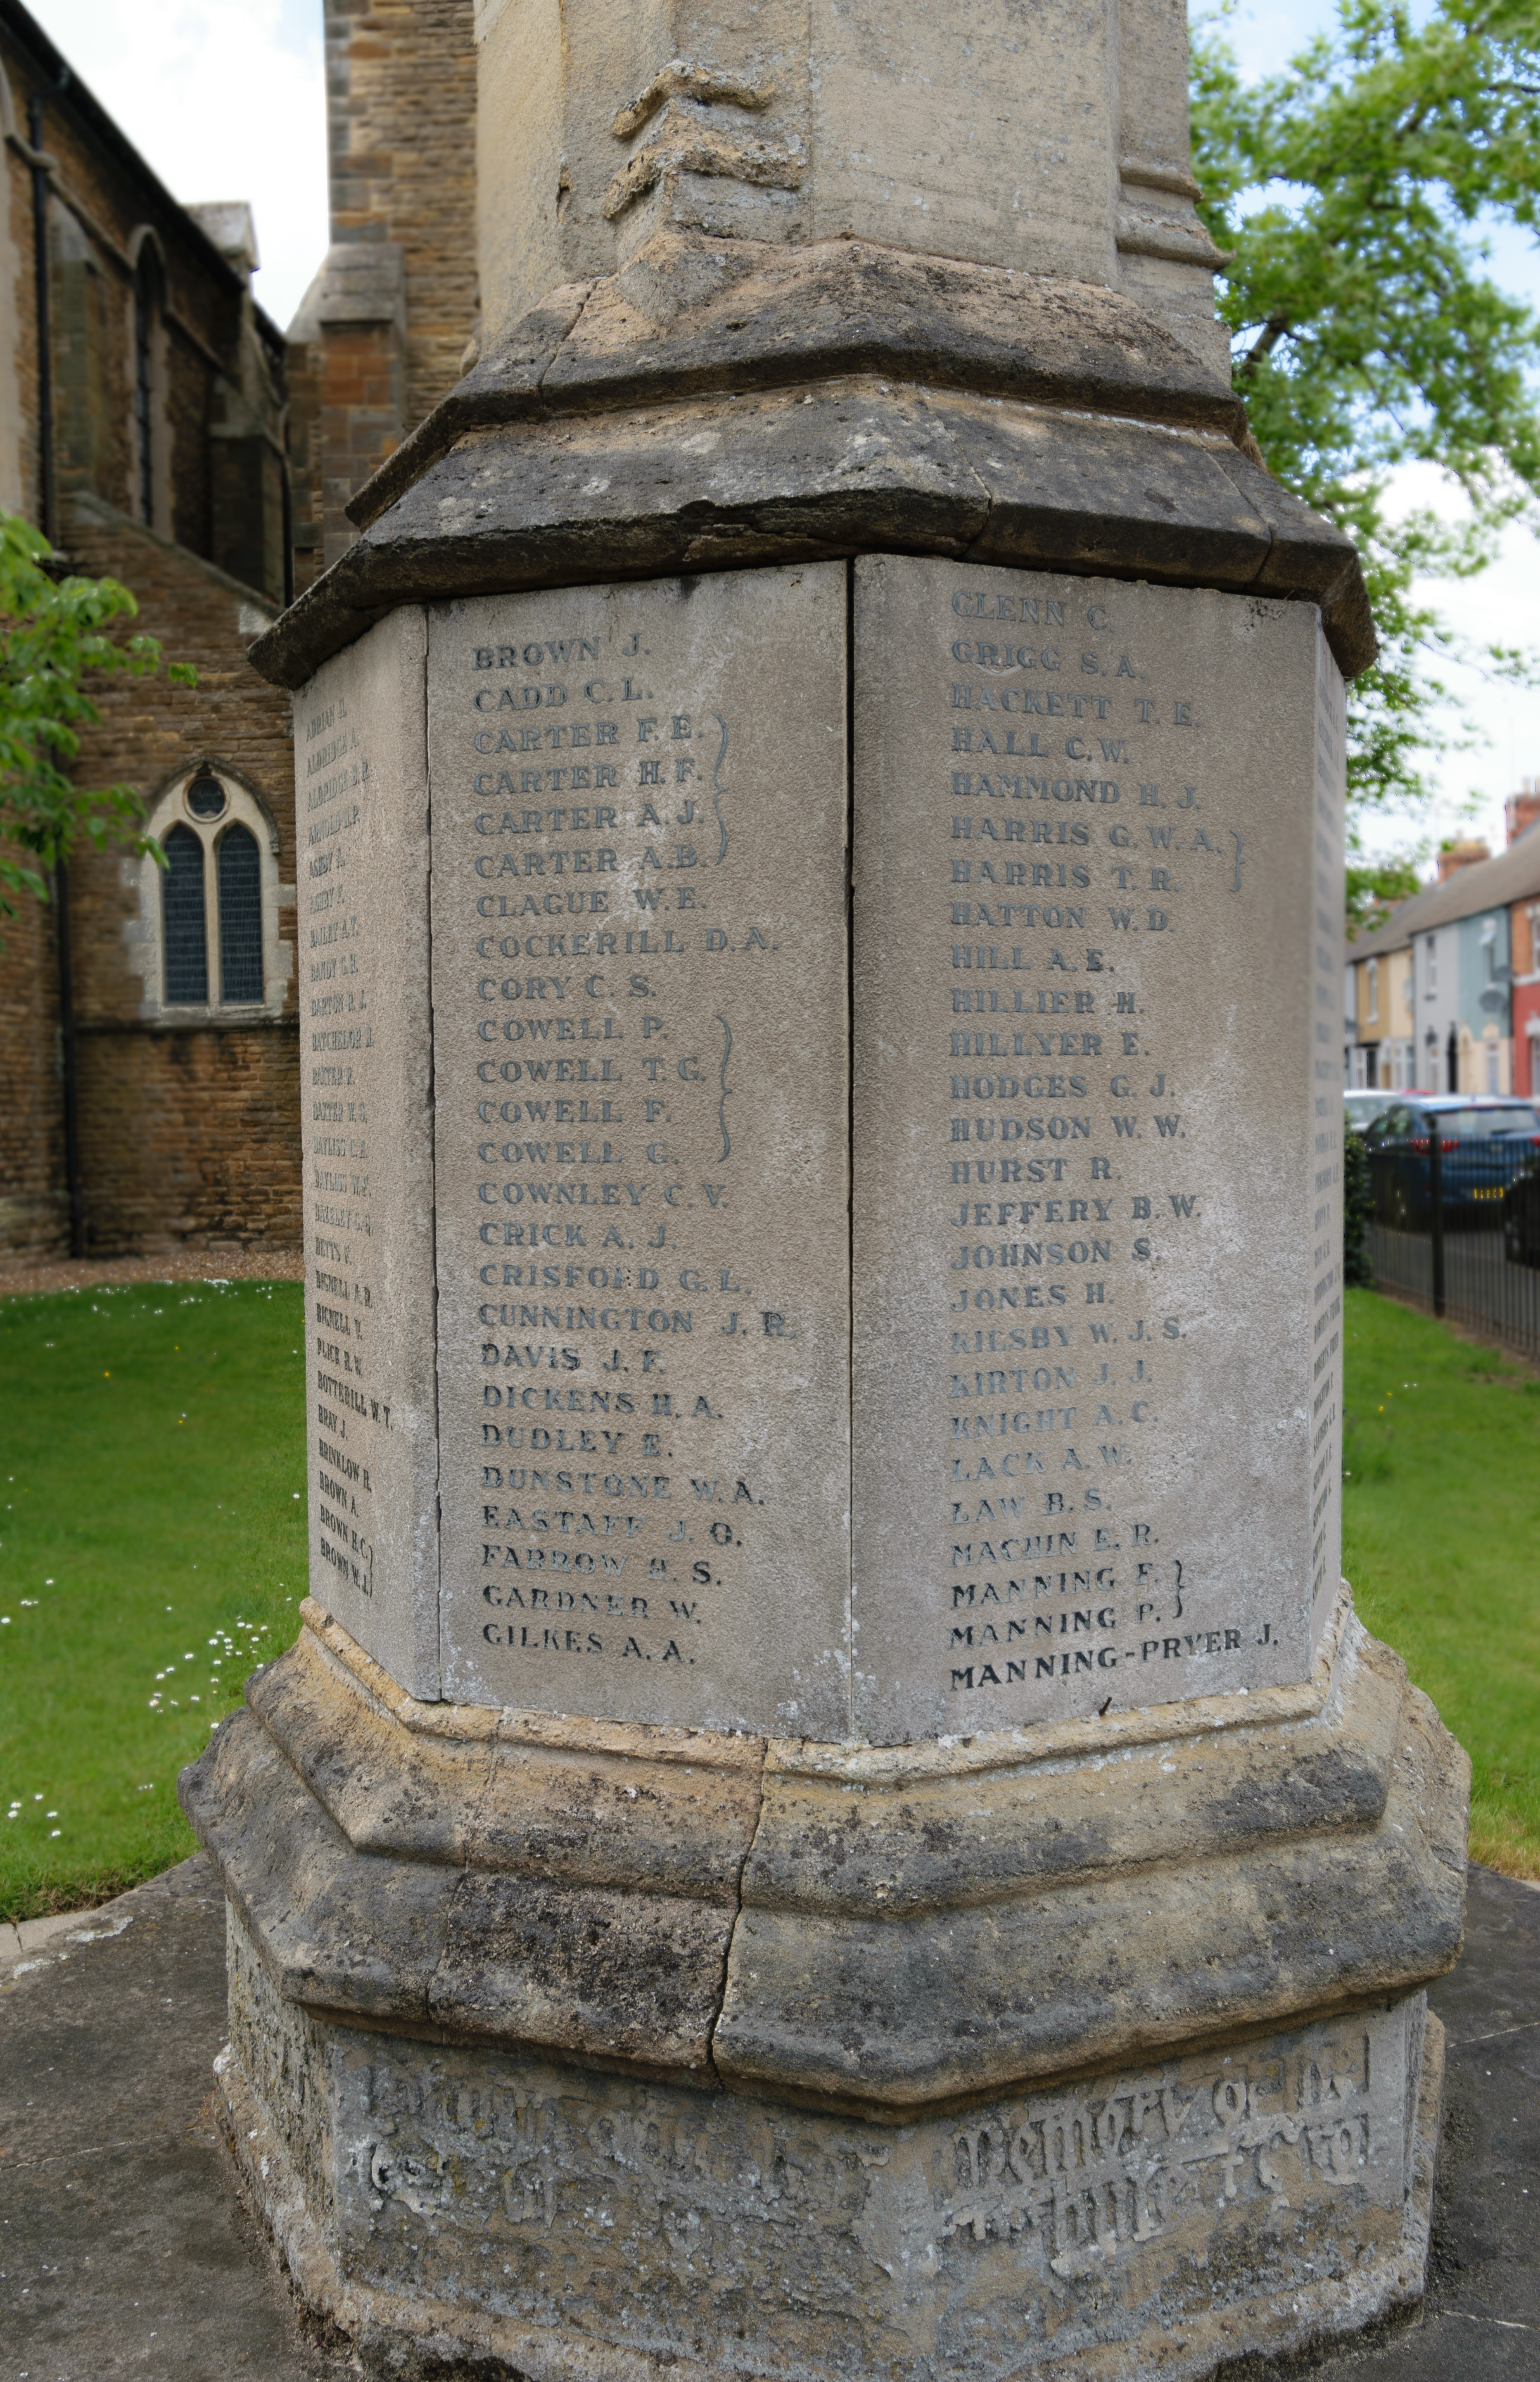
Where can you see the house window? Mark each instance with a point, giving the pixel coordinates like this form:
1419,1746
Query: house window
215,897
1432,948
1372,977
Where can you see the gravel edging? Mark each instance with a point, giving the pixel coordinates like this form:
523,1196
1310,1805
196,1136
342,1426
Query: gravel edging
32,1280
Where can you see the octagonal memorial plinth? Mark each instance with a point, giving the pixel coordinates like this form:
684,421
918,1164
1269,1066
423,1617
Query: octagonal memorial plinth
830,1813
1096,2046
830,1809
824,1147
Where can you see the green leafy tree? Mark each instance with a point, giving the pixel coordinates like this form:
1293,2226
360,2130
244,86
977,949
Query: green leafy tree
53,640
1351,187
1375,886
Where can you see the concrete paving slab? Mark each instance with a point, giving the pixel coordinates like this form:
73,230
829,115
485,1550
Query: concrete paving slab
30,1939
126,2251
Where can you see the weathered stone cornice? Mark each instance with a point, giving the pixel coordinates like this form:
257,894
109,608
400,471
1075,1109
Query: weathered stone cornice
728,405
779,316
887,1929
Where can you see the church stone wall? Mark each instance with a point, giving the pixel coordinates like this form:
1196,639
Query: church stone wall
189,1133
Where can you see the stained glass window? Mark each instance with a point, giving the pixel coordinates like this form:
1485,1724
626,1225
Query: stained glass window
239,915
205,796
184,924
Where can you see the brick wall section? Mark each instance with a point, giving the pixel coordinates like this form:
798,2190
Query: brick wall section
187,404
150,730
190,1140
401,109
90,442
32,1114
362,418
198,295
188,1136
209,344
246,504
207,300
19,199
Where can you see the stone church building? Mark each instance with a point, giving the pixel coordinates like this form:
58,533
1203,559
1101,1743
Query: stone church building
165,431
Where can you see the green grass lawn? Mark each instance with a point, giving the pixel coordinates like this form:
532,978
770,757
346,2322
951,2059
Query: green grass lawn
152,1507
152,1479
1441,1542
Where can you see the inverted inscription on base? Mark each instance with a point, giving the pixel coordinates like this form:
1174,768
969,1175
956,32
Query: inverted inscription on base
1204,2206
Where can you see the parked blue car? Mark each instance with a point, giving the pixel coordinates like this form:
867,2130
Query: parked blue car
1485,1141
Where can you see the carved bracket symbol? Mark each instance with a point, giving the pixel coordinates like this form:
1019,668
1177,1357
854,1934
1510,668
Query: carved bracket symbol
686,141
675,150
727,1088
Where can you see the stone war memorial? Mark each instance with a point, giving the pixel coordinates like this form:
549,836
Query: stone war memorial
831,1815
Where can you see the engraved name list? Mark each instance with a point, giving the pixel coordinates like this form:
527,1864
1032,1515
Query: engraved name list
1084,823
640,820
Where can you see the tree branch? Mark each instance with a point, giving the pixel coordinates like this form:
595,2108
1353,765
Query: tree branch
1276,328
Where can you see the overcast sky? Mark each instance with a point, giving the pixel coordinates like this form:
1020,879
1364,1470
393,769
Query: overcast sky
225,100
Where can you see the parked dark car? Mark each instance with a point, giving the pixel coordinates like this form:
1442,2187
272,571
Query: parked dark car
1521,1217
1484,1142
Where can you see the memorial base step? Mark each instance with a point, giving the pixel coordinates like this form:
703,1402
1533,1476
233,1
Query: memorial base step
441,2202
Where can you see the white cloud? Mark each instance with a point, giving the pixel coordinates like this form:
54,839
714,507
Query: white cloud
1498,607
224,99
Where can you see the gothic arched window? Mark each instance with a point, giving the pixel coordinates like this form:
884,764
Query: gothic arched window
184,926
239,915
216,899
149,287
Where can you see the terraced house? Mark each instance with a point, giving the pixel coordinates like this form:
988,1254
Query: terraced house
1444,992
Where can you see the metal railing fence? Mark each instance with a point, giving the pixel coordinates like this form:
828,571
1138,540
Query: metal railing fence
1455,1227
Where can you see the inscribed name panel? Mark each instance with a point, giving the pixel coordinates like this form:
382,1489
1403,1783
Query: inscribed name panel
640,1022
1086,1325
1325,1198
360,767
